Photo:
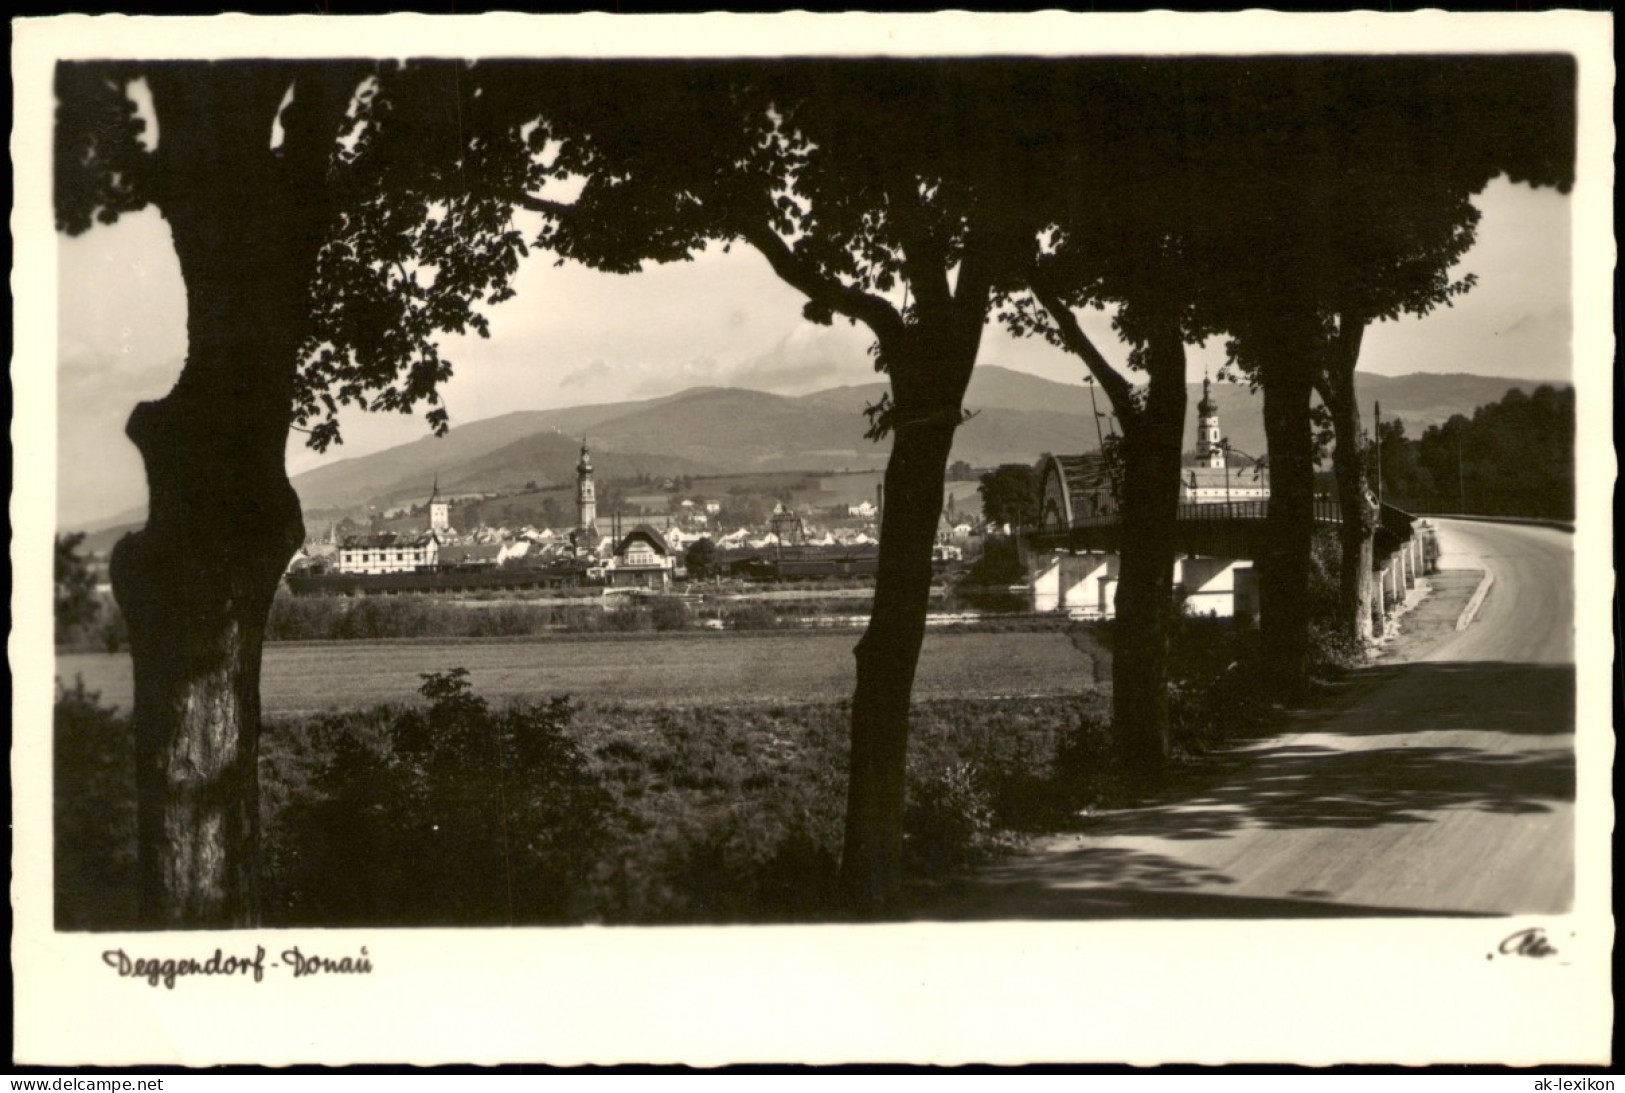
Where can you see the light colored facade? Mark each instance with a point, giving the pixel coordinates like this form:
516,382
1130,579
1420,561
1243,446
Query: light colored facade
388,553
1210,486
1213,481
439,512
642,558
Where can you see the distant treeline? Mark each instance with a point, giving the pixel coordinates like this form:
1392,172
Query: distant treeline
1512,458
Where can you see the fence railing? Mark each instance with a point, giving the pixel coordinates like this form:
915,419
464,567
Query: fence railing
1324,512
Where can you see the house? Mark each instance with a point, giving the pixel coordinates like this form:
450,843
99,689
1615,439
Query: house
519,548
473,556
389,552
864,509
642,559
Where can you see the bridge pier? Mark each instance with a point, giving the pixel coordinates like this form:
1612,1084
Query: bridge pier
1065,582
1086,581
1211,585
1395,574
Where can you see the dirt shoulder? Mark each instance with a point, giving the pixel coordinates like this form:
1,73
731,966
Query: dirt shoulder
1432,618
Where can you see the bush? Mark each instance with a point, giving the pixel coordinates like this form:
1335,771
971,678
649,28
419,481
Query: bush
459,813
454,815
628,619
751,616
1085,773
1214,688
93,806
948,824
338,618
1333,650
753,866
1000,564
669,613
112,634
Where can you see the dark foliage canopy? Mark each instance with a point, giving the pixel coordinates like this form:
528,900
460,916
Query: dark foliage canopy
1511,458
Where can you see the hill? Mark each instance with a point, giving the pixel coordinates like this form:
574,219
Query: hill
712,431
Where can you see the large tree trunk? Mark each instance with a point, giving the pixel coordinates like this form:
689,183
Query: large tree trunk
1283,580
1358,520
196,583
1145,606
928,384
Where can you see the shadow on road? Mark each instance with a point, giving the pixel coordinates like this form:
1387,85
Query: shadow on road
1297,786
1037,902
1527,699
1329,772
1287,783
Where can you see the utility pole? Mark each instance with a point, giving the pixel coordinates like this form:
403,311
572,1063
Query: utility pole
1099,437
1377,408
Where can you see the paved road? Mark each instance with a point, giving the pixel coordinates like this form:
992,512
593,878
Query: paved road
1441,785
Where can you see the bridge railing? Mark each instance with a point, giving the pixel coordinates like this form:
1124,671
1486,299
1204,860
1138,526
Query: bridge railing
1325,512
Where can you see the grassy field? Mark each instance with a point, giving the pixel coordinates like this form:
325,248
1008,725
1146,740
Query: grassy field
637,670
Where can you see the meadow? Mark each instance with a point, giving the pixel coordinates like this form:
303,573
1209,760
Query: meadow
645,669
457,810
694,778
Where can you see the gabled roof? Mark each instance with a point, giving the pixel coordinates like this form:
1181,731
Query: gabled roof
386,540
648,533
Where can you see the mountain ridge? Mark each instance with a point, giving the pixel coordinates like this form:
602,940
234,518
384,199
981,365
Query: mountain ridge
718,430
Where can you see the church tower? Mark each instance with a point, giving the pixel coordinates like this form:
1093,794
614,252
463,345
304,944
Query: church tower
586,493
1209,448
439,509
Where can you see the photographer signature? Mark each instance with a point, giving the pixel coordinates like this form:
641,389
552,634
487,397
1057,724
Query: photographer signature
1531,942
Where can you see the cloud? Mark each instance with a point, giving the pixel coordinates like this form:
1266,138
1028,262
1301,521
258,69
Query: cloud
592,375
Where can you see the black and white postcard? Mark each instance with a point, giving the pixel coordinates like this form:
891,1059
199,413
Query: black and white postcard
940,539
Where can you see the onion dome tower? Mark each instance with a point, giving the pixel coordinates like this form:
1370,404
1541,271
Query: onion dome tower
1209,445
586,493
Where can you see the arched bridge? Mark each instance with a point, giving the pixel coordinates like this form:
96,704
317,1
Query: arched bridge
1078,511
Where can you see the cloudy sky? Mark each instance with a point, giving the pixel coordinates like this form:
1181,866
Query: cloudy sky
573,337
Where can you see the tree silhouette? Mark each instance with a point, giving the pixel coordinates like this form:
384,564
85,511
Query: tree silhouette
1321,228
75,591
1511,458
1010,495
882,193
257,167
701,559
1122,238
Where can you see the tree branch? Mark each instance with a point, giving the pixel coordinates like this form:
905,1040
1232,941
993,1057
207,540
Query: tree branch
871,310
557,209
1342,353
800,274
1117,387
925,259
